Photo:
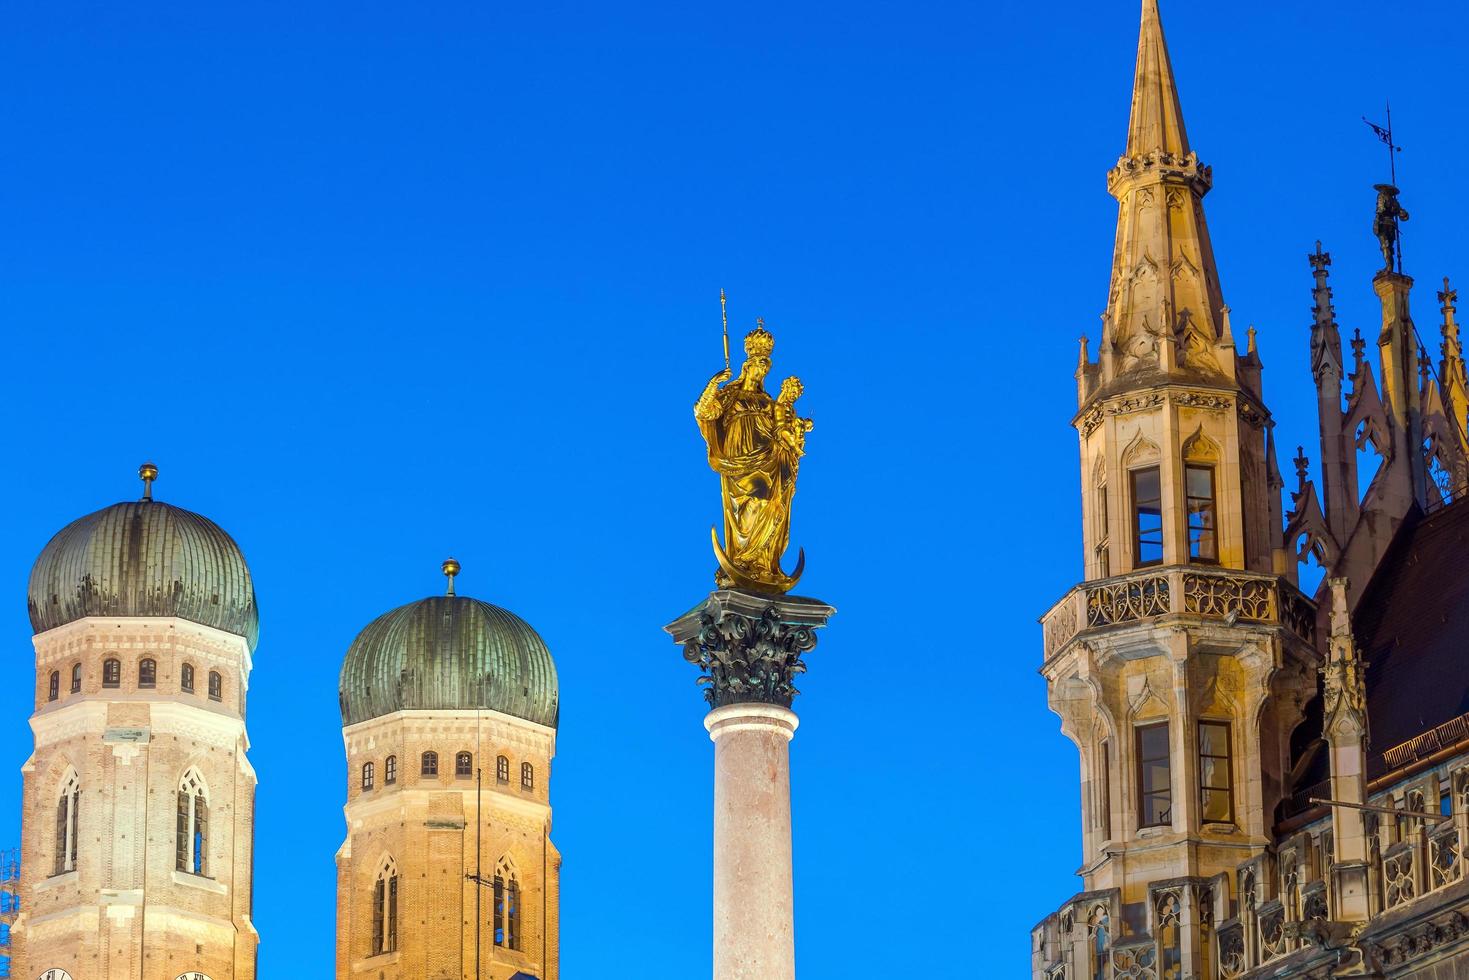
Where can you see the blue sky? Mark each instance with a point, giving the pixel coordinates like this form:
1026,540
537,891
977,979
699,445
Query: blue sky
376,283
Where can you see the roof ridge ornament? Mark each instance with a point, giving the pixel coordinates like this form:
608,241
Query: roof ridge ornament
148,472
450,568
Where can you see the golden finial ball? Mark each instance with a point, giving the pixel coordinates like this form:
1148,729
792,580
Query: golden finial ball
148,471
451,567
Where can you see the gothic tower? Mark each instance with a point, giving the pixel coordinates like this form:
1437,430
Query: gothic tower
449,713
1181,663
137,826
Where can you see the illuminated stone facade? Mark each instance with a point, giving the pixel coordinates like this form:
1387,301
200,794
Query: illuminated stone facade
1272,785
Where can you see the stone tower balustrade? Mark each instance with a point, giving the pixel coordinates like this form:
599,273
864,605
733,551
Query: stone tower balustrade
1189,592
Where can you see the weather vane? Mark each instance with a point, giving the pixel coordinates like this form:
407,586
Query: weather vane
1386,224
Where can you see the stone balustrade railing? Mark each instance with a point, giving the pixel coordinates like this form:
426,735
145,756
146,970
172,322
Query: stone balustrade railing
1196,591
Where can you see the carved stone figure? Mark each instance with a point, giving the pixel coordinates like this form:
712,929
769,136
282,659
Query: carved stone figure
755,445
1385,224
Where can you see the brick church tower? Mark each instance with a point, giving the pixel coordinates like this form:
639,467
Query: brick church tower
449,712
137,827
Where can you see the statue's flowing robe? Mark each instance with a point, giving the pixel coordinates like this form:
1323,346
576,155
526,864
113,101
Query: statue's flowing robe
758,471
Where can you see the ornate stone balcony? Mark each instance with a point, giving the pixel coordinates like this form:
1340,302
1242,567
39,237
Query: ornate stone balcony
1183,592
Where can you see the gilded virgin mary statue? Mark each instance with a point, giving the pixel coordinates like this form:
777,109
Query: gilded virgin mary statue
755,445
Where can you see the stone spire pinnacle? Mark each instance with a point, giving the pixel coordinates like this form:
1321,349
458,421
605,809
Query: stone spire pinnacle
1156,125
1165,308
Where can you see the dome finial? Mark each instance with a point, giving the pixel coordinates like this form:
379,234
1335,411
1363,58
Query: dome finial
148,472
451,568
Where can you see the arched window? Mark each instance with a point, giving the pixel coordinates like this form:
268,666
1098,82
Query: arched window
66,823
192,845
76,678
430,764
186,678
527,776
390,770
385,909
216,686
147,674
507,905
112,673
367,773
463,765
53,690
502,770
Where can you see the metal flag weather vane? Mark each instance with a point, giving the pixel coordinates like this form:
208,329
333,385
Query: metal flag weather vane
1390,214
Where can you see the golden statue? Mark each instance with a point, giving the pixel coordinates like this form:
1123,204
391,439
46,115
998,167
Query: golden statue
755,445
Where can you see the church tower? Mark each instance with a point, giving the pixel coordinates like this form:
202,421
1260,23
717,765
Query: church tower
449,713
1181,663
137,828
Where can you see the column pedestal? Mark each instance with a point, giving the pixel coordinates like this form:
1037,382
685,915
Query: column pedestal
749,647
754,909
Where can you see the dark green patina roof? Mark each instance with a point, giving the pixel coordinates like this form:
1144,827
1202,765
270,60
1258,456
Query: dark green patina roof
449,653
144,558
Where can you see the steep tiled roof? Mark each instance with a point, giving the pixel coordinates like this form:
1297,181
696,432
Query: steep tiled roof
1412,627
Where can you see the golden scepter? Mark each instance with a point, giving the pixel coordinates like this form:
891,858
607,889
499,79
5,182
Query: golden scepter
724,315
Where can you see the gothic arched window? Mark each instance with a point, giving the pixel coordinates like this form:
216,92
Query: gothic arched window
147,674
112,673
502,770
507,905
216,686
192,842
1147,516
527,776
385,909
66,823
463,765
186,678
53,690
390,770
429,764
76,678
367,774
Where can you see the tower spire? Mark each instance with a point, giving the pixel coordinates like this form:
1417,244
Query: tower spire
1165,308
1156,124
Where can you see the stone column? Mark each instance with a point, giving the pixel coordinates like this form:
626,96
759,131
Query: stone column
754,901
749,647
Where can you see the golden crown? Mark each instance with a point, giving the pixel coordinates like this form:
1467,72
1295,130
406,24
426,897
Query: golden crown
759,342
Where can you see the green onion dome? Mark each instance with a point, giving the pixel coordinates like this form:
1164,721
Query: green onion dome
449,653
144,558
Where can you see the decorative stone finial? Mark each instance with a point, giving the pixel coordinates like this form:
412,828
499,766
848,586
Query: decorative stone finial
1303,464
450,569
148,472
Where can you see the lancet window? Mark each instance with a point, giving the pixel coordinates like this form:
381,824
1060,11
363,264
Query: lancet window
1104,559
1216,795
527,776
1154,776
1104,794
429,764
76,678
112,673
53,690
1147,516
1203,526
507,905
216,686
502,770
1099,945
186,678
463,765
147,674
390,770
1169,948
367,775
385,909
192,832
67,805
